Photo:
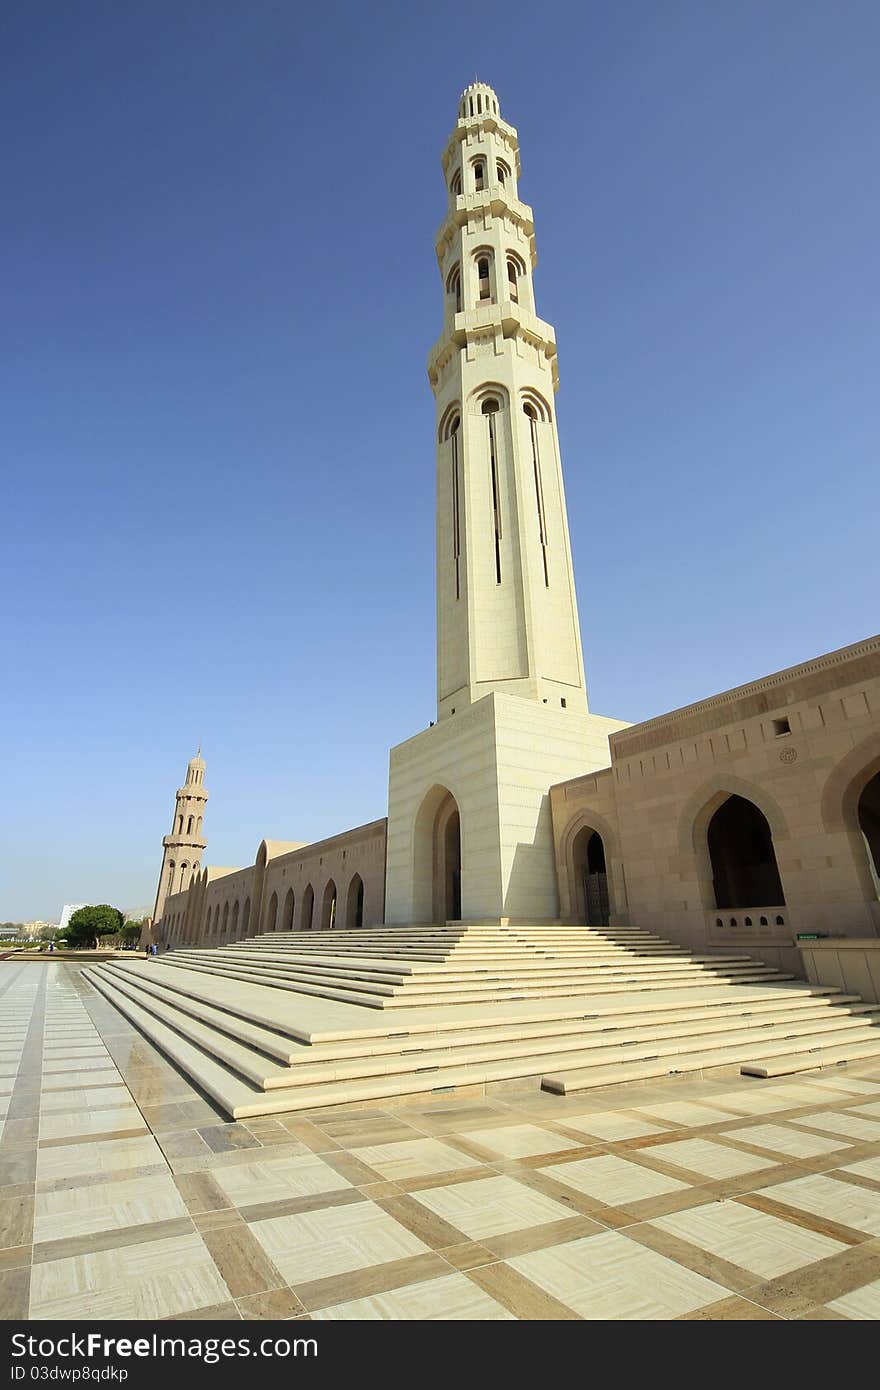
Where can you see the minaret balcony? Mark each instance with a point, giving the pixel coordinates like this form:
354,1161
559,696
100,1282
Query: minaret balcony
184,842
497,202
508,319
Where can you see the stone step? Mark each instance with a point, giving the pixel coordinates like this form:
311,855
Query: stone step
310,1069
812,1052
795,1062
270,1007
372,994
235,1097
278,1044
241,1100
501,1062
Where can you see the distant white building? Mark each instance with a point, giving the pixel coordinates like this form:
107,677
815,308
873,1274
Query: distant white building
67,912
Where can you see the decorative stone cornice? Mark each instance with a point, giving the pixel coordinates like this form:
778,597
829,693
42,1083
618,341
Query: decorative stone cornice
507,320
758,697
472,207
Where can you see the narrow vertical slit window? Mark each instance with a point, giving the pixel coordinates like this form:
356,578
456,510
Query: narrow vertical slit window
490,410
479,176
532,416
456,515
512,280
485,286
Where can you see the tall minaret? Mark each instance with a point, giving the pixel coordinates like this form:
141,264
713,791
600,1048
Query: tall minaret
470,834
182,849
506,608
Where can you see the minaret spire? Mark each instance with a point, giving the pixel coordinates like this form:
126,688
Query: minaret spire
506,608
183,848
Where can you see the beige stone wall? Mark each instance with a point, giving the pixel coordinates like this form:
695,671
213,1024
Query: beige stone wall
852,965
800,744
226,905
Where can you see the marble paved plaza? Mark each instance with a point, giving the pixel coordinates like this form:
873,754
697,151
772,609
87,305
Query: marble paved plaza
124,1193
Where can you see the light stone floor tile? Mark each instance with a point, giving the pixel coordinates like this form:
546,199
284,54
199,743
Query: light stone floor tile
450,1297
685,1112
784,1139
862,1304
609,1276
852,1083
59,1102
612,1180
78,1079
872,1109
866,1168
334,1240
855,1126
519,1141
63,1126
761,1102
83,1064
753,1240
111,1206
277,1180
611,1125
488,1207
156,1279
708,1159
110,1156
414,1158
832,1199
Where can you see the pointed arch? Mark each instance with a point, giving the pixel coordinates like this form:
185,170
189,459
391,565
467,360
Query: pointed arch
287,918
328,906
354,902
271,913
695,819
307,911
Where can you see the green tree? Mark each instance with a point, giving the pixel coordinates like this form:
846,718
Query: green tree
88,924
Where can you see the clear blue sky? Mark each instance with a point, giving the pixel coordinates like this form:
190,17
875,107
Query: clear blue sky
218,294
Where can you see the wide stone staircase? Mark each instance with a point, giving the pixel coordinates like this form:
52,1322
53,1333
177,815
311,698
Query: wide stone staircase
300,1020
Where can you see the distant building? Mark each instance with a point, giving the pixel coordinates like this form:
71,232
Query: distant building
67,912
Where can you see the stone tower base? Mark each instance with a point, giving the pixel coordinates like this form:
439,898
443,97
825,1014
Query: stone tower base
498,759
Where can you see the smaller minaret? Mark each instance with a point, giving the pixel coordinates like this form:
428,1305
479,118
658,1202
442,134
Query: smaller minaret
182,849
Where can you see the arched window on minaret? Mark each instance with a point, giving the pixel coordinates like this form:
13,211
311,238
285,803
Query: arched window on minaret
513,279
479,175
199,826
484,279
453,287
490,408
455,185
536,409
449,431
189,825
502,171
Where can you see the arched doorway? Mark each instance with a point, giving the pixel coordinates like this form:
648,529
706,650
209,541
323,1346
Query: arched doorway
308,908
328,907
447,862
868,812
235,911
591,877
245,916
271,913
437,866
744,868
287,919
354,905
